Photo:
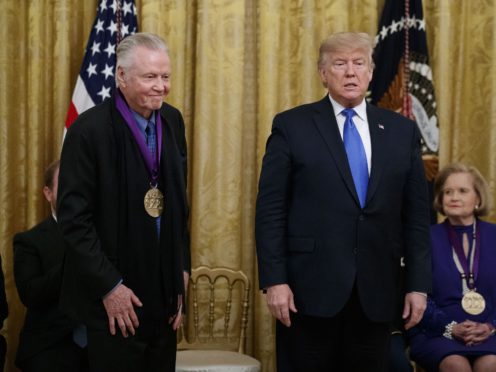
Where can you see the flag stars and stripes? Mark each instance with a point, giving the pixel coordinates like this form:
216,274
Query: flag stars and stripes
96,79
127,8
99,26
108,71
384,32
104,92
91,70
95,48
124,30
112,28
411,21
398,26
114,6
103,6
395,26
393,49
110,49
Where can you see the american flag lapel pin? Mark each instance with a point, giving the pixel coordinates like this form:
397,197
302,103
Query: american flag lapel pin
380,126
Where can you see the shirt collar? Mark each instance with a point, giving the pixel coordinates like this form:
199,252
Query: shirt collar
360,109
141,121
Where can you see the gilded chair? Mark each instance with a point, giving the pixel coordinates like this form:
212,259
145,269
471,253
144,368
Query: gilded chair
212,337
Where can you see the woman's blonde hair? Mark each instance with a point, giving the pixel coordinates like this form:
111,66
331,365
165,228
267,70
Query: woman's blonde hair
479,183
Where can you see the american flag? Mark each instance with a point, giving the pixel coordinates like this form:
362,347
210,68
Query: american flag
402,66
115,20
403,79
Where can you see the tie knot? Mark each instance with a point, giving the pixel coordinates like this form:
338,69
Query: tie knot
150,128
349,113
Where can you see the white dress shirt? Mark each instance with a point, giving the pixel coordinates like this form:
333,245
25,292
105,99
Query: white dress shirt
361,123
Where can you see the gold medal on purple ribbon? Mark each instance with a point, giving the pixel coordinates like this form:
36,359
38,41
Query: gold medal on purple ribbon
473,302
154,202
154,199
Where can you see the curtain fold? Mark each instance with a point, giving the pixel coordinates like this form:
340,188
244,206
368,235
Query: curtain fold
236,63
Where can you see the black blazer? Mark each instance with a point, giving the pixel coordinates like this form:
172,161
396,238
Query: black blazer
38,257
311,232
110,237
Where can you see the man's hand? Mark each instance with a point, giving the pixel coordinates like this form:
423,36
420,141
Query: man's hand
176,318
186,281
280,301
119,305
415,305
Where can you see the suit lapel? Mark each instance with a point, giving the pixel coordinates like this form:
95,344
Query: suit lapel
168,157
378,131
325,121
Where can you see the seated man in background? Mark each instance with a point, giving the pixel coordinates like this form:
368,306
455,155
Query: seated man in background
46,339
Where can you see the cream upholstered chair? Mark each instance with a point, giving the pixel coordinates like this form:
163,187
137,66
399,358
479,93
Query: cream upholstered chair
217,317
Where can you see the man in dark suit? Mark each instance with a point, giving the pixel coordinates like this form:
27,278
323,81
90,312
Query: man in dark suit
46,340
342,193
123,212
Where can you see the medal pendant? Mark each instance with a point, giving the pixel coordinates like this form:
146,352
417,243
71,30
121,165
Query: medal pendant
473,303
154,202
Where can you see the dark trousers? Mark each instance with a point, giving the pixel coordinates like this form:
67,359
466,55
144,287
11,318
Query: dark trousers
347,342
64,356
398,360
109,353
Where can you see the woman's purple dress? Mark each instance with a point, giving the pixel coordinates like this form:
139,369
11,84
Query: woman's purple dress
428,346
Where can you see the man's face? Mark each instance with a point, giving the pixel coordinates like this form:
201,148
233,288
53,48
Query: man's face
51,193
146,82
347,75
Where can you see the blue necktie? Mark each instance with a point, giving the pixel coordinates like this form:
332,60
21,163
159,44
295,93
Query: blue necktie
151,138
356,155
151,143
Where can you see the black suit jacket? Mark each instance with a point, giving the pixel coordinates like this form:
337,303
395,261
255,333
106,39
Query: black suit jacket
311,232
38,257
110,236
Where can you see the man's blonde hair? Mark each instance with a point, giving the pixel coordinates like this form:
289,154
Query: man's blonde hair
346,41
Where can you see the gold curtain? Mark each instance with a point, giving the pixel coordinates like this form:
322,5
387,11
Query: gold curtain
236,63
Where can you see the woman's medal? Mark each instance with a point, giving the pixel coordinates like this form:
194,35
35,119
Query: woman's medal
473,302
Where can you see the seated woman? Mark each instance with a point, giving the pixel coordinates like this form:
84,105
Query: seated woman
458,327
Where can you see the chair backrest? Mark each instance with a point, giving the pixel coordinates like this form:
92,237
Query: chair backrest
217,312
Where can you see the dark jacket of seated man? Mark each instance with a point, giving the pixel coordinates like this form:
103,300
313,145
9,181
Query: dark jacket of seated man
46,339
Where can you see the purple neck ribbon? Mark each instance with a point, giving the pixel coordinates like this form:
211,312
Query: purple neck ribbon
152,162
469,275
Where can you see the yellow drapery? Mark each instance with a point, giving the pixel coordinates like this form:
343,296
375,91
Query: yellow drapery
236,63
